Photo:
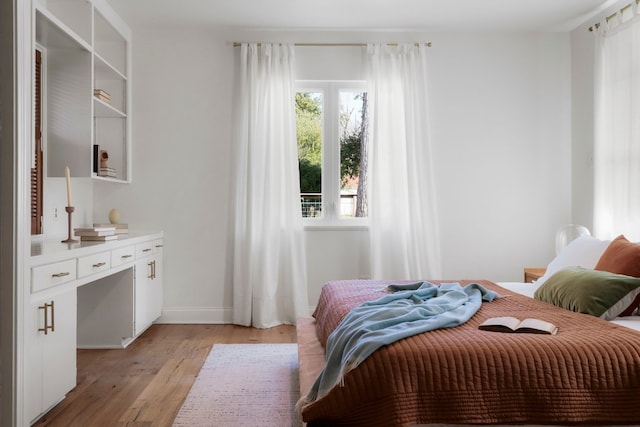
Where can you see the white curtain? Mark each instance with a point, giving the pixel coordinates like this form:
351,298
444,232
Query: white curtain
402,212
269,274
617,130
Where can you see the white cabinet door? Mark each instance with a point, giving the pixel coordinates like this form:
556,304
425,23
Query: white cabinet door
142,292
148,298
157,289
51,351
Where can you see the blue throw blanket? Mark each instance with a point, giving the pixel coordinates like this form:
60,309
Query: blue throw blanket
412,309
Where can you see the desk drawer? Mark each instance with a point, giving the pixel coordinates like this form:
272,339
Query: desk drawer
93,264
144,249
46,276
123,256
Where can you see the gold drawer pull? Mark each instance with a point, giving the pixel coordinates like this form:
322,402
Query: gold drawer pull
66,273
152,270
126,256
100,264
47,327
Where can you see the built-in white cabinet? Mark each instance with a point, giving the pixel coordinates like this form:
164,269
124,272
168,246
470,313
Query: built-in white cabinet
148,277
85,295
86,51
51,351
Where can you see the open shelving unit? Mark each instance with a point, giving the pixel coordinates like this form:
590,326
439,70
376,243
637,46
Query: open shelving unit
86,46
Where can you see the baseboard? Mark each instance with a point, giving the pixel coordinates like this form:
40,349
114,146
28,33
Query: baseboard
197,315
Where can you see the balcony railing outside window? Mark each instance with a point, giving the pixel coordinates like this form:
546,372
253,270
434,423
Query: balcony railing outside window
311,205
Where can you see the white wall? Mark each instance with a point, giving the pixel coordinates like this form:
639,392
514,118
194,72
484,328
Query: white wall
182,92
55,220
501,121
500,113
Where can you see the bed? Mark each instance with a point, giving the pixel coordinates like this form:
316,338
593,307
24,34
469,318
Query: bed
587,374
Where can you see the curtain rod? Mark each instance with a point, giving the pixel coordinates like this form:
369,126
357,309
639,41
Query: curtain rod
613,15
427,44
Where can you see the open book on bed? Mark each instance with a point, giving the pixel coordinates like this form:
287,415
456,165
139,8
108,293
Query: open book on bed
512,324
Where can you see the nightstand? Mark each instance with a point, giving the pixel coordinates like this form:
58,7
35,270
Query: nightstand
532,274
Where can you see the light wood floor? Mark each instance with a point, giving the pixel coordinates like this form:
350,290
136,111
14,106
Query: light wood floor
146,383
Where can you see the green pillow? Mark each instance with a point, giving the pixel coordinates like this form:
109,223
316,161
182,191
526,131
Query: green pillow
599,293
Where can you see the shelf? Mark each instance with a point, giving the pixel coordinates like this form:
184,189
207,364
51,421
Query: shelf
74,14
102,109
104,70
54,34
107,179
109,44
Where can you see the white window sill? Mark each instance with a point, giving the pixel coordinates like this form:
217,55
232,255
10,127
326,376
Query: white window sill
339,225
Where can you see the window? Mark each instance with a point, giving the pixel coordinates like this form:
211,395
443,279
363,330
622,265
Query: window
331,122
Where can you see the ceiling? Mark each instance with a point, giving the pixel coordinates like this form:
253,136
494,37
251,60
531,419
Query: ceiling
391,15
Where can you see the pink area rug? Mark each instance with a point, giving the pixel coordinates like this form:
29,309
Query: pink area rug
244,385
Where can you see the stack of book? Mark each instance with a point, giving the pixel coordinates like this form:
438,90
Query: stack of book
102,95
96,234
119,228
108,172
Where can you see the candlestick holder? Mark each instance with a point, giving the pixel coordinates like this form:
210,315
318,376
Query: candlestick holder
70,239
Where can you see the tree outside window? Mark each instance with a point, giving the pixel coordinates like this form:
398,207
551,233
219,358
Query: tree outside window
332,125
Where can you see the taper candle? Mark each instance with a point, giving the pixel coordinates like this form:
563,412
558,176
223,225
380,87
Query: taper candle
67,176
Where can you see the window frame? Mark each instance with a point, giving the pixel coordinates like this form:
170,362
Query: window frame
330,191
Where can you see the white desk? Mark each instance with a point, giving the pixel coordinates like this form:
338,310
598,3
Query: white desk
85,295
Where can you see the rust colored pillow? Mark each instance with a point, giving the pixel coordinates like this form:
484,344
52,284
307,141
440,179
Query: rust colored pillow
621,257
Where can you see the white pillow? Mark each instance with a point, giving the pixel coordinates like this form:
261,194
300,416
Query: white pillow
585,251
